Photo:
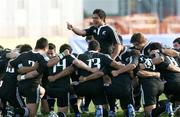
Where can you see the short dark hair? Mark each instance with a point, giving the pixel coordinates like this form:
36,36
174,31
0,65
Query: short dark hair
41,43
134,52
1,47
19,46
138,37
177,40
64,47
25,48
93,45
52,46
100,13
155,46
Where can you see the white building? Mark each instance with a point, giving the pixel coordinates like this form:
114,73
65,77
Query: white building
34,18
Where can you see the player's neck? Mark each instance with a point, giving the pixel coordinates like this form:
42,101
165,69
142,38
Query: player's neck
101,24
40,51
93,51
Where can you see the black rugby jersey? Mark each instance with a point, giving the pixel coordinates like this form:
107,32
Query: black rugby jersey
10,77
60,66
167,74
28,59
106,36
147,61
126,57
93,60
145,50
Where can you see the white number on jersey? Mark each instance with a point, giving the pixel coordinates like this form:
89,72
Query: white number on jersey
95,62
10,70
63,65
31,62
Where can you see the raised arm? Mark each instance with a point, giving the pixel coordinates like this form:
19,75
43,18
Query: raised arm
56,59
76,30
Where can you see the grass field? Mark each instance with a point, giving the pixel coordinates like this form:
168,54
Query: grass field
119,112
91,114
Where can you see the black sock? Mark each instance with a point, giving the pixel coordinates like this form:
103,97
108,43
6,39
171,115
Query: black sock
73,102
157,111
137,97
61,114
105,113
4,112
51,103
87,102
137,100
3,108
22,111
112,104
162,103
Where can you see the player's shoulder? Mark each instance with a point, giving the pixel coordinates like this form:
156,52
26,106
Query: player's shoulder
104,55
92,27
69,56
83,55
109,27
26,53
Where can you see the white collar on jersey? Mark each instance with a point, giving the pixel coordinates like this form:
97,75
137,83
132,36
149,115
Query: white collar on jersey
42,52
99,28
93,51
145,46
124,50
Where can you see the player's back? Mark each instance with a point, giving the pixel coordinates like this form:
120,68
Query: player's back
94,60
28,59
59,67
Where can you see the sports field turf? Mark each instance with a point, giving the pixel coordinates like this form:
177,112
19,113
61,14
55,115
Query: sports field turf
119,113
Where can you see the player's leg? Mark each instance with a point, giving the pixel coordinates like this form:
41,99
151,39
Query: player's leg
32,100
101,106
62,103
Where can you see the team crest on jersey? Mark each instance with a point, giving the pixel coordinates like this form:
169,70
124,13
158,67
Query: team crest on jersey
104,33
94,31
